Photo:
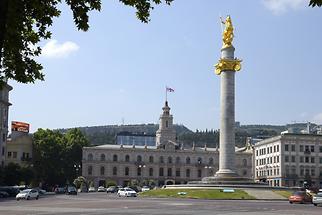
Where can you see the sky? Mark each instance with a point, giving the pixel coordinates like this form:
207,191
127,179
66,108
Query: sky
118,70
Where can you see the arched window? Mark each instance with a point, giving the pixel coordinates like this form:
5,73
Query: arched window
90,170
244,162
90,157
115,170
151,159
115,158
127,171
102,157
188,160
199,160
211,161
102,170
161,159
188,173
127,158
169,159
151,172
177,160
139,158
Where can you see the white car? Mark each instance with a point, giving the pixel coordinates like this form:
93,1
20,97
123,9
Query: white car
101,189
145,188
127,192
27,194
317,199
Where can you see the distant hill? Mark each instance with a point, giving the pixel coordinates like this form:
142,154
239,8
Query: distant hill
100,135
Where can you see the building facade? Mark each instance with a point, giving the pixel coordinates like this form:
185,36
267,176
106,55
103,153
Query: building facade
164,163
19,149
130,138
4,112
289,160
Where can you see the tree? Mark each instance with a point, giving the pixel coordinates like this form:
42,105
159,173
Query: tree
314,3
24,23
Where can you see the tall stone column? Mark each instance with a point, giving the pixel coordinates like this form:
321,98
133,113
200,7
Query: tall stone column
227,118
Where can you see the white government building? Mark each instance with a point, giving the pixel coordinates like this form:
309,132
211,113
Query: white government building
289,160
165,163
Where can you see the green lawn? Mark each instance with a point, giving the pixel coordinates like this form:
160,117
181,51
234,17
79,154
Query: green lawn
197,194
284,193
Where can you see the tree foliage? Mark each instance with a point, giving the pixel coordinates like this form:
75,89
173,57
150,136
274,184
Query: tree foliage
314,3
24,23
55,155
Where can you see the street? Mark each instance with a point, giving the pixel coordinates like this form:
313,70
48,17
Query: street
102,203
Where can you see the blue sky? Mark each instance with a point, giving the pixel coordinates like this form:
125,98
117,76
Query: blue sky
120,67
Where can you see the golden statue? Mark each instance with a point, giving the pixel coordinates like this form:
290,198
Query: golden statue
228,33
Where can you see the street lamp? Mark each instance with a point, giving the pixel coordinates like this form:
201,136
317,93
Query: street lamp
77,167
141,166
209,168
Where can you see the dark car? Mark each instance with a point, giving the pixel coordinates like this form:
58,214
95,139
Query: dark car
71,190
10,190
4,194
60,190
300,197
112,189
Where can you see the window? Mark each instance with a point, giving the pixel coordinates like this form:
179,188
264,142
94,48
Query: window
166,124
14,155
139,158
2,151
178,172
115,158
188,160
301,171
139,171
286,147
9,154
199,173
301,159
188,173
151,172
274,148
199,160
169,172
307,149
293,148
277,148
127,171
286,158
90,170
301,148
312,148
244,172
321,149
127,158
256,152
320,159
177,160
169,159
102,157
161,159
90,157
151,159
278,159
3,137
161,171
312,159
115,170
211,161
293,159
307,160
102,170
312,171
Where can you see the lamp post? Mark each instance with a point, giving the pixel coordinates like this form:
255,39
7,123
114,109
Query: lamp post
208,168
141,166
77,167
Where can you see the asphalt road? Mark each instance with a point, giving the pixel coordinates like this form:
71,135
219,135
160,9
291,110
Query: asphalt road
101,203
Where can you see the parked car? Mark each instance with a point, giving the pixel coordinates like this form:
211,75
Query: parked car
300,197
101,189
127,192
40,191
10,190
145,188
27,194
60,190
71,190
317,199
112,189
92,189
4,194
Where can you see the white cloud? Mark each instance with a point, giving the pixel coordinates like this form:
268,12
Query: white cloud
53,49
318,118
281,6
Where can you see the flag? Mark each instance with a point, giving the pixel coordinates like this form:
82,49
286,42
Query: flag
169,89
